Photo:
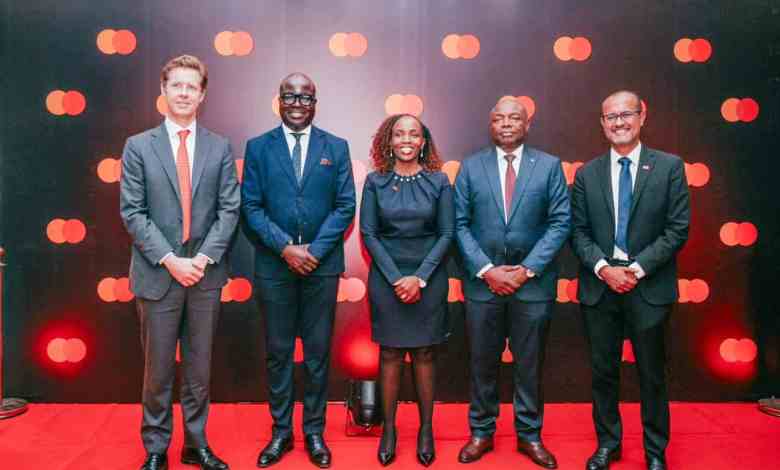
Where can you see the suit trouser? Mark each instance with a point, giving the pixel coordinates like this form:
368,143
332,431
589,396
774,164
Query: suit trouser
188,314
606,323
526,324
305,307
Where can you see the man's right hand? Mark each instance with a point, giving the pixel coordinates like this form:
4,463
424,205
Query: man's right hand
619,279
183,270
501,281
299,260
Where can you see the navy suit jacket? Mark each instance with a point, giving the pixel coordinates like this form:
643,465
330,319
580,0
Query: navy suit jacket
539,221
278,211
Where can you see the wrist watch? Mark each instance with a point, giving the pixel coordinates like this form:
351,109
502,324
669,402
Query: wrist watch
529,273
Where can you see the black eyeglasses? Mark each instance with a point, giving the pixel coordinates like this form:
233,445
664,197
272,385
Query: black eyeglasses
290,98
625,115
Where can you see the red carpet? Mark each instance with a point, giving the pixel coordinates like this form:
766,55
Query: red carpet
86,437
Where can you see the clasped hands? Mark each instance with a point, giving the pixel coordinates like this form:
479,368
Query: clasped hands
620,279
299,260
408,290
187,271
505,279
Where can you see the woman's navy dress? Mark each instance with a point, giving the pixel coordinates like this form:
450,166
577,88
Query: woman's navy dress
408,224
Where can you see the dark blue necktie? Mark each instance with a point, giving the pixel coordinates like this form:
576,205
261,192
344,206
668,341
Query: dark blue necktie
296,155
624,204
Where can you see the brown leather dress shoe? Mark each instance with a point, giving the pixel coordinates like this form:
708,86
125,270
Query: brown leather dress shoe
538,453
475,448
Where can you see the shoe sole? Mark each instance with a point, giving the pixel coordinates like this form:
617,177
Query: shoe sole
771,411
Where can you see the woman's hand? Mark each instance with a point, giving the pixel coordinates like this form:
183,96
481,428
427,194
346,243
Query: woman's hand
408,289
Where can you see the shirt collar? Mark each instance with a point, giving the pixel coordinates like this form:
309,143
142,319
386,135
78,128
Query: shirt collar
173,128
288,132
633,155
518,153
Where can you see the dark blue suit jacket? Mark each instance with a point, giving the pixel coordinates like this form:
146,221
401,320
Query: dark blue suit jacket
277,210
539,221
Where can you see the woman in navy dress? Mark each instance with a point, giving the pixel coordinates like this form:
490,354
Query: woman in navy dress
407,220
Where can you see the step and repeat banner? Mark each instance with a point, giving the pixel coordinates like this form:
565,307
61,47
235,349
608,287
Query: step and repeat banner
79,77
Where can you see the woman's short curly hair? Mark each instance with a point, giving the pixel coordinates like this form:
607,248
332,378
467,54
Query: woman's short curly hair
382,152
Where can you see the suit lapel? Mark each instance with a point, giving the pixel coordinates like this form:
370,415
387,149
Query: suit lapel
282,152
313,153
646,165
202,151
605,173
527,166
491,172
161,145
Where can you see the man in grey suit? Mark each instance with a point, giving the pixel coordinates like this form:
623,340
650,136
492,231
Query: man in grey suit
179,200
630,211
511,218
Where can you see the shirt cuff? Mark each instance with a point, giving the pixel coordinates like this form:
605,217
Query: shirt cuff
162,260
485,269
211,261
422,283
638,271
600,264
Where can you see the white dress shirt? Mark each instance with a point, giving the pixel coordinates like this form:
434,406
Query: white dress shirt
502,165
614,171
288,134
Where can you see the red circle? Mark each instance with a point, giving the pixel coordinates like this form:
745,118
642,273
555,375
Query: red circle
747,109
580,48
75,350
746,350
122,290
698,291
240,289
74,231
571,290
747,234
124,42
700,50
74,103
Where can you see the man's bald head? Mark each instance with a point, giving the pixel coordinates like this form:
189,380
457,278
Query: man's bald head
509,123
297,101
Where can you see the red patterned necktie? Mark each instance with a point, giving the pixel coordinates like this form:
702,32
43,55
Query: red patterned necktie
509,183
185,185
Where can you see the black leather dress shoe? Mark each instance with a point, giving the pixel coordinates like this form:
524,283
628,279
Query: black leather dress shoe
656,464
319,454
155,462
274,451
601,459
204,457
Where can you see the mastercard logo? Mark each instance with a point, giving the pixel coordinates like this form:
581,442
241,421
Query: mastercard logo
404,104
109,170
62,231
348,45
455,46
114,290
60,102
234,43
567,48
738,233
236,290
61,350
122,42
692,50
739,109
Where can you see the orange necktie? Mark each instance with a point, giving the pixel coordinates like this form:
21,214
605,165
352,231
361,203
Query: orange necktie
185,185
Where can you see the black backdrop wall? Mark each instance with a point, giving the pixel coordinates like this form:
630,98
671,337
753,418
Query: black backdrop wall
65,342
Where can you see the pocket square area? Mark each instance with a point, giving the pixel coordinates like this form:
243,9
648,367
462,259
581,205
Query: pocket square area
325,161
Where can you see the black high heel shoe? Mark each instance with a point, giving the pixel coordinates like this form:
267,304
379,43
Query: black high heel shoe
386,452
425,450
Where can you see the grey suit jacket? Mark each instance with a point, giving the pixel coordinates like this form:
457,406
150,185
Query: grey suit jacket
150,207
657,226
539,221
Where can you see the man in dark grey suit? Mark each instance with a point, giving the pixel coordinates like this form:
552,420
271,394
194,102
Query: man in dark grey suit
630,211
511,218
179,200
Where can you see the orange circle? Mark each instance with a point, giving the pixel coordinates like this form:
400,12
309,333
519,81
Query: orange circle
412,104
393,104
455,291
528,104
56,350
242,43
74,103
682,291
75,350
54,102
700,50
226,295
223,43
747,234
747,109
74,231
105,41
562,48
698,174
162,105
122,290
356,289
746,350
240,289
562,296
451,169
356,44
109,170
124,42
54,230
729,109
580,48
337,46
698,291
468,46
449,46
728,350
106,291
682,51
728,234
